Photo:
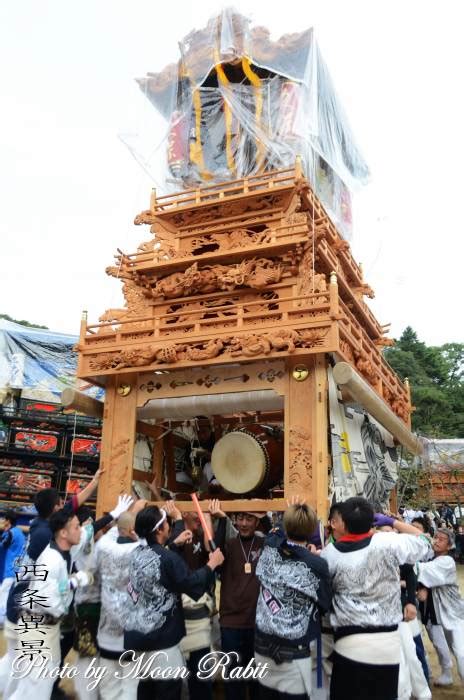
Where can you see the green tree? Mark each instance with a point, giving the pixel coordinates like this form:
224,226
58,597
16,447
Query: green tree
436,375
22,323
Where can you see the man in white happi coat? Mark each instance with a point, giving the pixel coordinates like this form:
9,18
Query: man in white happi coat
112,556
34,640
442,592
366,604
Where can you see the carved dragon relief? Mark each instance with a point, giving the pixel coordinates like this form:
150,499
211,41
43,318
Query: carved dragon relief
229,240
140,295
248,345
168,246
254,273
138,304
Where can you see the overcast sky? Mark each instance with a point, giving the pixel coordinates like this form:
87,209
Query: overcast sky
69,189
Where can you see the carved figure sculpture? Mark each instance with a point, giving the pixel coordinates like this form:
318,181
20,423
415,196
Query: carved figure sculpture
240,238
235,275
170,286
365,366
265,272
145,217
250,345
312,337
284,339
169,353
112,316
256,274
206,280
205,351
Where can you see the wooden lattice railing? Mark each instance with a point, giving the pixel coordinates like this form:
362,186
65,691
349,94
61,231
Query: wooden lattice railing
233,189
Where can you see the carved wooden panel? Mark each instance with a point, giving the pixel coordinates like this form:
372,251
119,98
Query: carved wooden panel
118,437
300,468
285,341
199,381
300,436
240,272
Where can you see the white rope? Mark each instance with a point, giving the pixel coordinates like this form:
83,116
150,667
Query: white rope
313,229
72,456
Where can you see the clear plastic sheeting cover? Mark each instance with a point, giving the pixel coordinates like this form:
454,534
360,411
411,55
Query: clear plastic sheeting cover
445,455
40,363
238,103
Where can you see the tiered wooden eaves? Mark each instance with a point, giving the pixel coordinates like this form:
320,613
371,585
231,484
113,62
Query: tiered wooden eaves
241,271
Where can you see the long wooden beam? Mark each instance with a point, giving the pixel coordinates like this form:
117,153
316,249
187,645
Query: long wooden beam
360,391
77,400
71,398
235,506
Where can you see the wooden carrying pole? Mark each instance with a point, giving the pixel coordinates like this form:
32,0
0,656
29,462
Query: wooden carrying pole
360,391
77,401
71,398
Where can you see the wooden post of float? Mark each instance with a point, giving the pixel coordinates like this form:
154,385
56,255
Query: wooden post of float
82,334
407,386
333,295
299,425
321,437
153,200
334,307
118,438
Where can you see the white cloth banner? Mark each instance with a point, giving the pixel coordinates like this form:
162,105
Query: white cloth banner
364,457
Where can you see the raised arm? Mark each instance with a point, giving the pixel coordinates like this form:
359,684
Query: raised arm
380,519
86,492
178,526
214,508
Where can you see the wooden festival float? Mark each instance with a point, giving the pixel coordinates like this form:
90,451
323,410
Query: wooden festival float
245,294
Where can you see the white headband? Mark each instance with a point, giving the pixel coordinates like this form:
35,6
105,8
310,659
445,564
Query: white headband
160,522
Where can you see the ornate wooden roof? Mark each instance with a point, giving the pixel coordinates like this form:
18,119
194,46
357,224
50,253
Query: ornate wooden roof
247,270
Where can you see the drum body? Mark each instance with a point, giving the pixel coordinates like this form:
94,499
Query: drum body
249,460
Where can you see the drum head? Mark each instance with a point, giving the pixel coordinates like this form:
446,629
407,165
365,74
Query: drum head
238,462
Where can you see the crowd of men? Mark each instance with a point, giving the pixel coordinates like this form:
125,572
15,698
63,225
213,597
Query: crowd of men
303,612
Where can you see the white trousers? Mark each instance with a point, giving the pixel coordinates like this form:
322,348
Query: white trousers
4,590
327,645
455,639
7,682
81,683
27,679
438,639
112,688
292,677
411,676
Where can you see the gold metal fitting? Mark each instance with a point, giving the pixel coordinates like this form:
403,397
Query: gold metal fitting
300,373
124,389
